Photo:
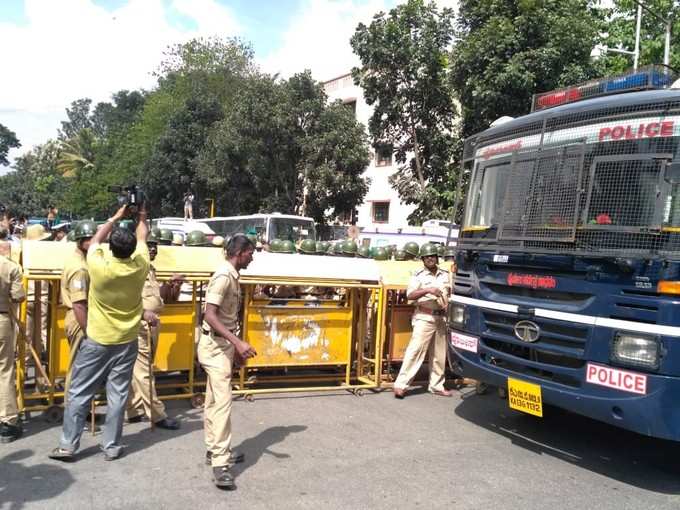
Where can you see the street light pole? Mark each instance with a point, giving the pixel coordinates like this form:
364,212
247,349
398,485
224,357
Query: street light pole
636,53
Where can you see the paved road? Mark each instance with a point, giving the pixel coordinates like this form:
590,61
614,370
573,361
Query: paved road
341,451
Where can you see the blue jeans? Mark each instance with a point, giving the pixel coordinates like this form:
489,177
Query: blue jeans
95,364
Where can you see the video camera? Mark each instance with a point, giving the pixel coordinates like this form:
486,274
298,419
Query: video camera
132,196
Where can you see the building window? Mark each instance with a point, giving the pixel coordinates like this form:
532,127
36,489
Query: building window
381,212
352,107
383,155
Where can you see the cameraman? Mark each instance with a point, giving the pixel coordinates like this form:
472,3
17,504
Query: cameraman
107,353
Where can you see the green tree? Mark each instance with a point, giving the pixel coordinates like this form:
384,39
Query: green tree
621,33
507,50
77,154
78,118
282,148
8,140
34,183
404,57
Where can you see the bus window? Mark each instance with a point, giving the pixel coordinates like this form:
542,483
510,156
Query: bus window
291,229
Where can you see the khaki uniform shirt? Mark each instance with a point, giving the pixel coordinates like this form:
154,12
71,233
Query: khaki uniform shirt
224,292
11,288
75,283
424,278
151,293
75,280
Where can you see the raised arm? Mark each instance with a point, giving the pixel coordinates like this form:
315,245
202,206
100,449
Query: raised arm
142,231
101,234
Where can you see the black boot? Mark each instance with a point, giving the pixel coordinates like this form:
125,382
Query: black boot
223,478
9,433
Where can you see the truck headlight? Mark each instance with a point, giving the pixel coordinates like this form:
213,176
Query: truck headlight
636,350
456,314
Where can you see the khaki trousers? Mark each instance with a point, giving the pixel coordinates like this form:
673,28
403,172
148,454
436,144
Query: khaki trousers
143,397
428,338
216,356
9,412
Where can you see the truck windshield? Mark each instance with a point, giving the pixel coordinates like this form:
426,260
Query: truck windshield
291,229
486,195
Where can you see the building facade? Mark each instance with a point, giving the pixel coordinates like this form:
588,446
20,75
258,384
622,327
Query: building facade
381,207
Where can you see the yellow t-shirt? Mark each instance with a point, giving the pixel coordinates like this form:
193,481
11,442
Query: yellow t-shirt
115,298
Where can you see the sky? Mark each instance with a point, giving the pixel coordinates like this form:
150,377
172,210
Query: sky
56,51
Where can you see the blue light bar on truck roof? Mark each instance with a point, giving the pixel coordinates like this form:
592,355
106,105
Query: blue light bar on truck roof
647,78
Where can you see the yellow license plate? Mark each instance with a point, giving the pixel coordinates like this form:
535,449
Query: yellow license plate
525,397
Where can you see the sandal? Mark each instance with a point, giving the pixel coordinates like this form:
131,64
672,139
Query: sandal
61,454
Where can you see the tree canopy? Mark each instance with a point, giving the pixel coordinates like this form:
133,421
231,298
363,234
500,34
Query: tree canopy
8,140
403,72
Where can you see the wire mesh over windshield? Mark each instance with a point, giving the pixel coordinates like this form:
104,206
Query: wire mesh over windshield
598,183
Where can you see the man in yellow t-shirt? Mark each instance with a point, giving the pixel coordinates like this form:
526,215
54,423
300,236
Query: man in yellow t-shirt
107,353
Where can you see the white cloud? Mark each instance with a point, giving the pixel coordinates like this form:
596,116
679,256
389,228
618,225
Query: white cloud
73,48
318,37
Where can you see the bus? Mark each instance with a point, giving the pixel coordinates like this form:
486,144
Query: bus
267,227
567,289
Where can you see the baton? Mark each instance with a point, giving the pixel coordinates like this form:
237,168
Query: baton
150,362
36,359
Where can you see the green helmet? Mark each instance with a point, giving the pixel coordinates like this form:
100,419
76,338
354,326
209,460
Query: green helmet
84,230
308,247
287,247
319,248
364,252
71,236
275,246
440,250
400,255
165,236
381,254
196,238
153,238
391,249
349,248
450,253
335,249
411,248
324,246
428,249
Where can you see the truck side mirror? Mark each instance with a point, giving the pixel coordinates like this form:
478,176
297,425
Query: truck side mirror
672,173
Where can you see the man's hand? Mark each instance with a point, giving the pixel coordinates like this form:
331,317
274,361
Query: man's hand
436,291
245,350
120,213
150,317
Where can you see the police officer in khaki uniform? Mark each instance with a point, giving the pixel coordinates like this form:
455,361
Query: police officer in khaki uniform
143,398
429,290
11,291
75,283
217,347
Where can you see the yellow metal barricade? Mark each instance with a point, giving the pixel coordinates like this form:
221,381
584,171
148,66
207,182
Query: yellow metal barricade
43,264
315,342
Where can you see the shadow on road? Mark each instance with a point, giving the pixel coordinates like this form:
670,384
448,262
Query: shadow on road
146,437
46,481
257,446
630,458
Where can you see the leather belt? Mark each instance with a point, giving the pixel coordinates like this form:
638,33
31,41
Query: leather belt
207,332
436,313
